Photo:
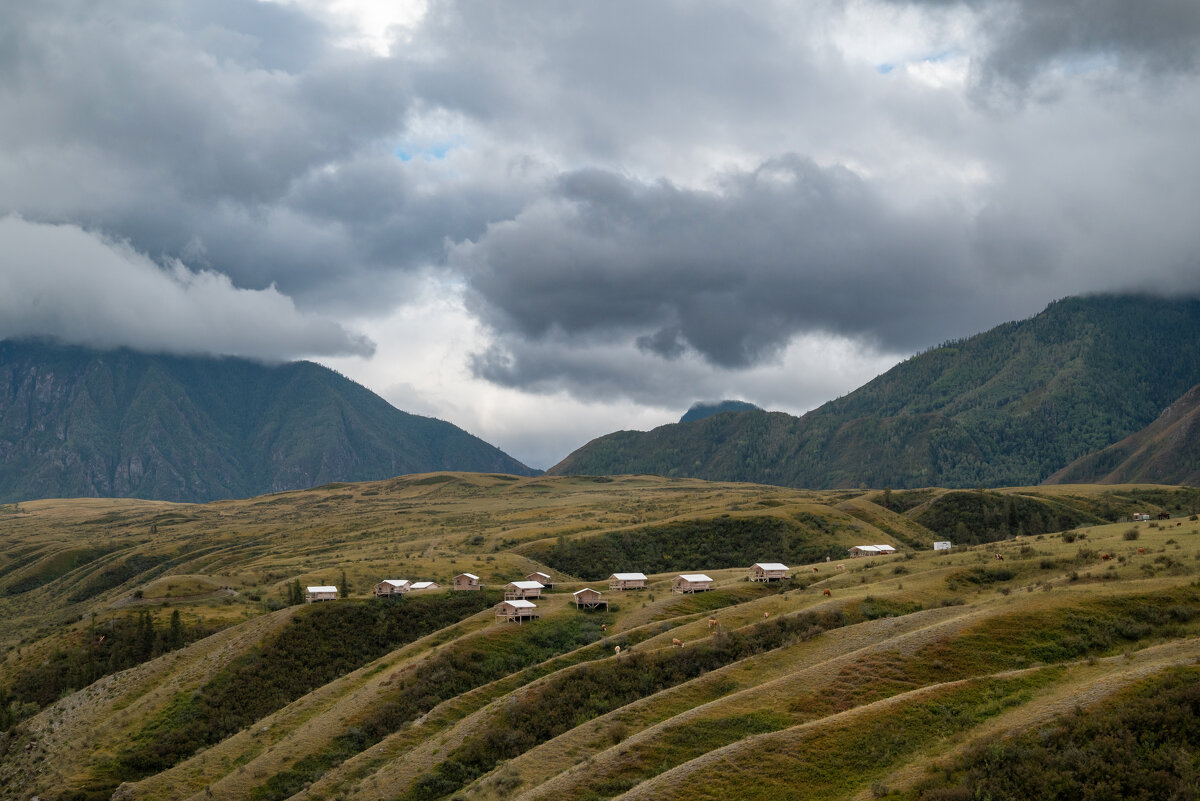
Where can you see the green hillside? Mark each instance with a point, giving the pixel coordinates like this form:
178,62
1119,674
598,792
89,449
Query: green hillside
1165,452
77,422
1003,408
158,651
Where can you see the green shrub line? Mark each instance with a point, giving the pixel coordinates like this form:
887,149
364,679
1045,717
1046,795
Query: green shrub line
717,542
1138,744
576,696
321,643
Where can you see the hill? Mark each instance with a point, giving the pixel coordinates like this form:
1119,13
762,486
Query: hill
77,422
152,650
1006,407
699,411
1164,452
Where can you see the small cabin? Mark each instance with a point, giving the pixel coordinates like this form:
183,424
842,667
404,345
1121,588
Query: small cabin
523,589
769,571
424,585
691,582
516,610
871,550
627,581
467,581
942,545
320,594
389,587
1140,516
587,598
542,578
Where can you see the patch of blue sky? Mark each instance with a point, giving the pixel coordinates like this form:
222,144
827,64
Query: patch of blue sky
430,153
884,69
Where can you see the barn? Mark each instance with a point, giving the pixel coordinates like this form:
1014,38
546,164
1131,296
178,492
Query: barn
389,587
516,610
627,581
691,582
467,581
523,589
320,594
587,598
768,571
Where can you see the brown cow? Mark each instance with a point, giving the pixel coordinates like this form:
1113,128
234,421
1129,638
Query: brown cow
712,621
604,627
1141,550
815,570
1105,556
1000,556
676,642
841,567
766,615
827,593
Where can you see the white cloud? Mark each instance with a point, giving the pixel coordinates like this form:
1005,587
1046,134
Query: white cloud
78,287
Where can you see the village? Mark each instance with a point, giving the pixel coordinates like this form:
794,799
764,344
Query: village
518,605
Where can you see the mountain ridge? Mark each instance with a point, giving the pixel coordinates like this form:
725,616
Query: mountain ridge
76,421
1005,407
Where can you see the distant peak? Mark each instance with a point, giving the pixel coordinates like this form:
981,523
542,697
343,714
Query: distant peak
702,409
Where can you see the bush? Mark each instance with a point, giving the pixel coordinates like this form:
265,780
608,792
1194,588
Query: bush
1130,534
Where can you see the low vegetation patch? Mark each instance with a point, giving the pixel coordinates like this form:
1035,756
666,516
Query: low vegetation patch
1140,744
717,542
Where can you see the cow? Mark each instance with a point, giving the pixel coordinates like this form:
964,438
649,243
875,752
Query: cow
766,615
1000,557
841,567
1141,550
676,642
617,650
815,570
604,627
827,594
1105,556
712,621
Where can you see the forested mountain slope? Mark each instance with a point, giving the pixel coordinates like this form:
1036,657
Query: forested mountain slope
1006,407
78,422
1166,451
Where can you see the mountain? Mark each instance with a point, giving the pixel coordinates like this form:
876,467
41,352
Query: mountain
1165,452
1007,407
79,422
699,411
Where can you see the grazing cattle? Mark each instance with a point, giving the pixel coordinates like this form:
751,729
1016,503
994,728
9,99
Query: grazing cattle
1179,524
827,593
1105,556
1141,550
712,621
1000,556
617,650
676,642
766,615
841,567
604,627
815,570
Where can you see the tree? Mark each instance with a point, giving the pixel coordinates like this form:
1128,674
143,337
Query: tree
175,637
345,585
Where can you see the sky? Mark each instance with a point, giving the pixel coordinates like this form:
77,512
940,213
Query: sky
547,221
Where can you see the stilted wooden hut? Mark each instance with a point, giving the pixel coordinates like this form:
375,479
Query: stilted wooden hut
768,571
523,589
544,578
872,550
691,582
587,598
627,581
390,587
467,581
320,594
425,585
516,610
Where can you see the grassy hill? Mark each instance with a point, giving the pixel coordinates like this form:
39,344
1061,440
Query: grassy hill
183,671
1006,407
1162,452
75,422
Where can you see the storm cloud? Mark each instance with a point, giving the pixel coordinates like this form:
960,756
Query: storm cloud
621,200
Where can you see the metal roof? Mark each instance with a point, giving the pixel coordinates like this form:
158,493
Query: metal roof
527,585
322,589
694,577
521,604
771,565
469,575
629,576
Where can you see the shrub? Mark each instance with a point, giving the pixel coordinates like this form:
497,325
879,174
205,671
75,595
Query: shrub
1130,534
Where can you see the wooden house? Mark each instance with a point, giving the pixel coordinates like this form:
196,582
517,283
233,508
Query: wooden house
587,598
389,587
467,581
627,581
320,594
544,578
516,610
523,589
424,585
872,550
691,582
768,571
